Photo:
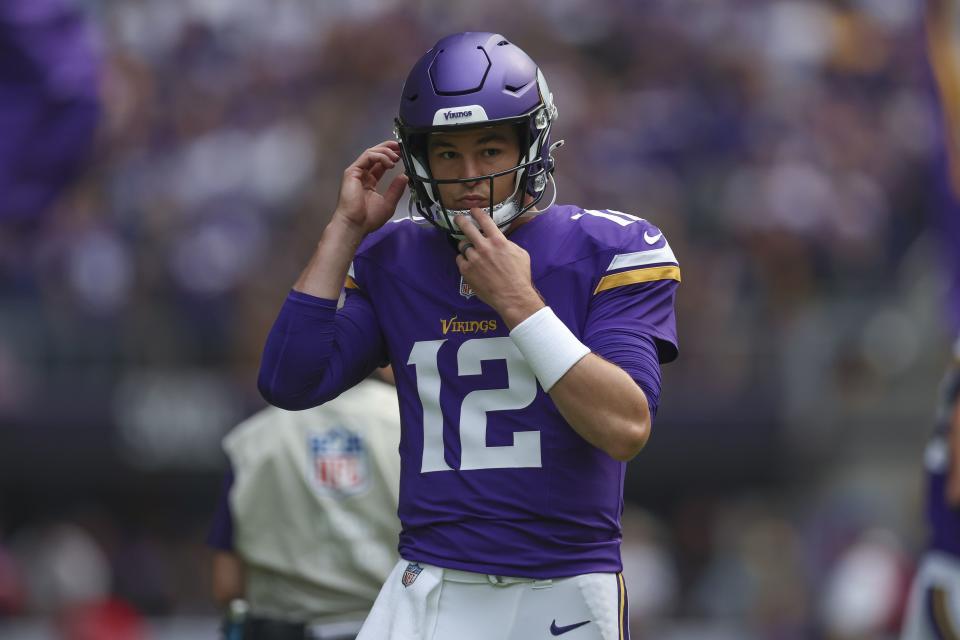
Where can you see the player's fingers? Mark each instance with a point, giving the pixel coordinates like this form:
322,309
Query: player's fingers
461,263
469,230
485,222
388,159
376,172
395,191
391,144
369,178
369,158
389,148
391,152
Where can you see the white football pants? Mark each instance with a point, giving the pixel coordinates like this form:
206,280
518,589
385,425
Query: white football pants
446,604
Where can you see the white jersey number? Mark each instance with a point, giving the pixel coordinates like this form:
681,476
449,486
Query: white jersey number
619,217
520,393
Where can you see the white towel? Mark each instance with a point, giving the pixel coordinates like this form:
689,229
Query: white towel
406,608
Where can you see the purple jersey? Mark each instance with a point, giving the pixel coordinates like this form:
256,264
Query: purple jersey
494,480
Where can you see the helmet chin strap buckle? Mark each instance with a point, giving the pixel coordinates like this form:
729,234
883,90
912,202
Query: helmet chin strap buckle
539,182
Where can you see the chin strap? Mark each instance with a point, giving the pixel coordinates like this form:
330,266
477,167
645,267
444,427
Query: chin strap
420,220
550,179
553,183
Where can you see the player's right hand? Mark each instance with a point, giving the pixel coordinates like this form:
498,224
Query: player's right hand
360,205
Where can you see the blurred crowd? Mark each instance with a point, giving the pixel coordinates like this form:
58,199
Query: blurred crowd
784,146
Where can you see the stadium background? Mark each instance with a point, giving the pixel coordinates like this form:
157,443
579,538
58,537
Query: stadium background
786,147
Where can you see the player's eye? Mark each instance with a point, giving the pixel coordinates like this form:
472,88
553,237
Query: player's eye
491,152
447,155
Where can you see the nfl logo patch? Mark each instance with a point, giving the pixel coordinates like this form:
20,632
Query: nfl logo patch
410,574
338,462
466,290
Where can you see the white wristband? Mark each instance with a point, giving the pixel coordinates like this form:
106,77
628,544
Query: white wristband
548,346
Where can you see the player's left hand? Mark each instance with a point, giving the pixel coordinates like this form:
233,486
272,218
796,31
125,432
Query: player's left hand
497,269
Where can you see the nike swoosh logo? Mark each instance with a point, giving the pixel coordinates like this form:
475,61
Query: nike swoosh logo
559,631
651,239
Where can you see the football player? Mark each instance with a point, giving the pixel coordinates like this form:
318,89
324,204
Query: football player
526,339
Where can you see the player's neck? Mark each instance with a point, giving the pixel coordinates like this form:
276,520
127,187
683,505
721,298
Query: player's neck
529,215
519,222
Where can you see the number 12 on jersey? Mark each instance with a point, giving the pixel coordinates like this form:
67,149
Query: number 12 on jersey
520,393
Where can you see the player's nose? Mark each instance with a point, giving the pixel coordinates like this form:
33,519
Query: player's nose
471,169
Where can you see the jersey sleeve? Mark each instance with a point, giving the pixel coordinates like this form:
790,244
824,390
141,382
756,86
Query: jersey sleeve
630,319
636,290
315,351
220,535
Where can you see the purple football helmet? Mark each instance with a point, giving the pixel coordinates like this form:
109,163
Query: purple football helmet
476,80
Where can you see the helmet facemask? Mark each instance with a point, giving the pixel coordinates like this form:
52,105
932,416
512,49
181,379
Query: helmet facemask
532,169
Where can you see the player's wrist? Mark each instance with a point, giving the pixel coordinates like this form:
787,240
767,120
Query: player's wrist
343,230
517,309
548,346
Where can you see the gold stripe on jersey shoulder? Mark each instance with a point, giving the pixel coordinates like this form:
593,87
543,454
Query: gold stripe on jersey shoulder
350,283
647,274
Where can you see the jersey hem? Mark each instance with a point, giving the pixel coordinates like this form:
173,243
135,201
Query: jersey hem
569,568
